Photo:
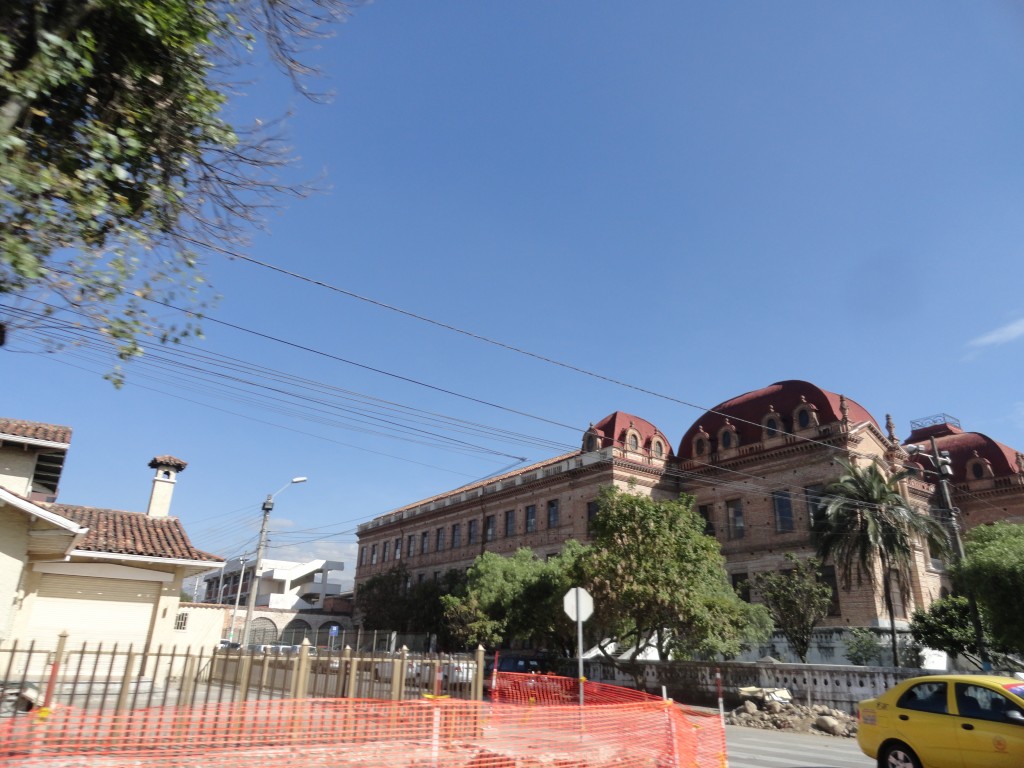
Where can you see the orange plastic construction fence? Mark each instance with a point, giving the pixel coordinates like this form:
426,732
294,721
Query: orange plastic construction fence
309,733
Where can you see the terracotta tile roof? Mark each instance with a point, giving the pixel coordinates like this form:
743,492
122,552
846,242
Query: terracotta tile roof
35,430
964,446
132,533
613,429
784,396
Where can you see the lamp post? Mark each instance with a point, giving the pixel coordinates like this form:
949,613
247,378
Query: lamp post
943,468
257,568
238,597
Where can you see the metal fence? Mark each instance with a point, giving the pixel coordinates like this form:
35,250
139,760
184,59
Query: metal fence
118,679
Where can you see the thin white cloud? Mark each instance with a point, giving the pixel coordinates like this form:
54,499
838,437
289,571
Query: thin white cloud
1001,335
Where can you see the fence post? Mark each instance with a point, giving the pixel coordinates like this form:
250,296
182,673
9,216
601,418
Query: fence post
58,659
343,660
398,674
300,686
126,682
245,675
188,680
353,672
478,678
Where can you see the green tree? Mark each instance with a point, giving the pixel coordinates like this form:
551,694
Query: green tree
513,597
868,527
390,601
119,169
659,582
993,571
797,599
862,648
383,601
946,626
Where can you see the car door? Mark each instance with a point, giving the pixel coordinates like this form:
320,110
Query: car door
923,722
987,739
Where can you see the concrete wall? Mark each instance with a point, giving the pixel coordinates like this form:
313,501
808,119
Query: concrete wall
693,682
16,469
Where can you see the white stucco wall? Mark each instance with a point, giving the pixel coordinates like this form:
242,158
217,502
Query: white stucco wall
13,551
16,469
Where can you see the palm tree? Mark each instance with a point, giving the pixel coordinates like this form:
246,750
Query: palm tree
867,523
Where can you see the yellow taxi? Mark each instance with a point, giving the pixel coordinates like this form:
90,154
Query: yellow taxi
945,721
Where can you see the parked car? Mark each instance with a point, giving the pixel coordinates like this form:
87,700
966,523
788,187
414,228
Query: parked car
945,721
458,671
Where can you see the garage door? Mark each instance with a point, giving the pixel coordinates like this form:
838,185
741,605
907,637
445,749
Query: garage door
93,610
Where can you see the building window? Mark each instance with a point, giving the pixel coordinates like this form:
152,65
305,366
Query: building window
553,513
510,522
783,511
734,514
384,551
424,542
181,622
373,554
456,535
899,609
699,446
658,449
814,498
472,532
490,528
362,556
803,418
411,549
705,511
419,578
978,470
531,518
726,439
592,509
398,548
741,585
439,542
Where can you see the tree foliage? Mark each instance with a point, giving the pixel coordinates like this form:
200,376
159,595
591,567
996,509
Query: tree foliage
993,571
797,600
659,582
868,527
390,601
946,626
118,167
517,597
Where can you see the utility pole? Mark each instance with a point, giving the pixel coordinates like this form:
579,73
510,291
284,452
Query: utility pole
257,569
254,580
943,469
238,597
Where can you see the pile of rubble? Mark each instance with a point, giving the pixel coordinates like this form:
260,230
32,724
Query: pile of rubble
789,716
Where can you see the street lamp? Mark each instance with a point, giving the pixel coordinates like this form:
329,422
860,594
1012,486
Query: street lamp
257,569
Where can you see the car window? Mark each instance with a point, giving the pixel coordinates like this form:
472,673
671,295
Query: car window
982,703
925,697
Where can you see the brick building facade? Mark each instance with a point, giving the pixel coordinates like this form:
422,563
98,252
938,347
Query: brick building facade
757,466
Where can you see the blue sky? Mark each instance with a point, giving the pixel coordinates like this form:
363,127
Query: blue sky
695,198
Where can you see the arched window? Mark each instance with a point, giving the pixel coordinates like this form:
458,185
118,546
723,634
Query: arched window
728,437
658,450
633,441
262,631
295,631
700,446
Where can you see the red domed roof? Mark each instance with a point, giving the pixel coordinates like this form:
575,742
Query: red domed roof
746,412
611,430
962,447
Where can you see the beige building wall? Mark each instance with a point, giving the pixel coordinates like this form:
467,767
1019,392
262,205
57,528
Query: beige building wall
13,549
17,466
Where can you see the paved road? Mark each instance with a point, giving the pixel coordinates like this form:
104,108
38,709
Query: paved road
754,748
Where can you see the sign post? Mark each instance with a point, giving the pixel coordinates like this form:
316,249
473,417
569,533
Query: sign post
579,605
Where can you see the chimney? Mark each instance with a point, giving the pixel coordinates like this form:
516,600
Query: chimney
167,469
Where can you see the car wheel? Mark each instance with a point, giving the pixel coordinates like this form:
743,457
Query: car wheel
898,755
